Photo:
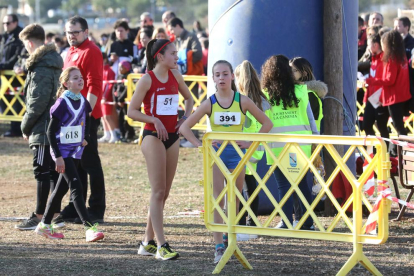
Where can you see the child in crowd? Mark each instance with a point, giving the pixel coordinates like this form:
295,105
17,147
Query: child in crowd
284,95
110,115
68,134
225,100
158,91
380,113
317,90
248,84
120,92
394,81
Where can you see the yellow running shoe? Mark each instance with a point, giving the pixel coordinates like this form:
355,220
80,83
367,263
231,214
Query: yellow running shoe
148,250
166,253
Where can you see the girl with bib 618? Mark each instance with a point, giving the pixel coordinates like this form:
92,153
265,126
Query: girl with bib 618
158,90
68,133
226,110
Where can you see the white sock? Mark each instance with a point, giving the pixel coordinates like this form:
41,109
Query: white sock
107,134
144,243
113,134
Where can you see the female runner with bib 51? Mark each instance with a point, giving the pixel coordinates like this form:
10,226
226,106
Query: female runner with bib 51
226,110
158,90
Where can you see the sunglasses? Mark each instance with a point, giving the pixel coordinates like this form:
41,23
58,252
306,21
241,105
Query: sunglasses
8,23
75,33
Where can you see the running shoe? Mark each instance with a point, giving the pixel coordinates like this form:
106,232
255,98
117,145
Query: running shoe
246,237
113,140
218,254
58,222
103,140
29,224
281,225
47,231
148,250
166,253
92,233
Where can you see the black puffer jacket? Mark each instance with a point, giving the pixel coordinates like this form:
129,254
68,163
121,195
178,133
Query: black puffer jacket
10,48
44,68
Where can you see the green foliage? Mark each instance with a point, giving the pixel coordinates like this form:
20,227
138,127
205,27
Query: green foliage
72,5
8,2
365,4
45,5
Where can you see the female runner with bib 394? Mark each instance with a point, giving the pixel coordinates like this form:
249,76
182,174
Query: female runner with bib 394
226,110
158,90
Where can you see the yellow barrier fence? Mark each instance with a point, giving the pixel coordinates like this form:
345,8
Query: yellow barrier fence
11,96
325,230
192,82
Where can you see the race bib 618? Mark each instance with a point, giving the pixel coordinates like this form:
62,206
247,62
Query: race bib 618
70,134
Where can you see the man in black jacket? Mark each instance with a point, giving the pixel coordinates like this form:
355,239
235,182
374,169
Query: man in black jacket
10,49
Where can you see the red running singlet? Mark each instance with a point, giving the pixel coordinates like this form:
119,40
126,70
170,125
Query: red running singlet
161,101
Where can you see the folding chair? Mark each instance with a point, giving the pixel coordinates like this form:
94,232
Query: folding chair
406,169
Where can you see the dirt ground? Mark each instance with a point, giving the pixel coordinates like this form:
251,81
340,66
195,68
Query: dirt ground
24,253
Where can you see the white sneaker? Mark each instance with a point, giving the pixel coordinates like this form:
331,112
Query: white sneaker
246,237
103,140
92,234
218,254
113,140
187,144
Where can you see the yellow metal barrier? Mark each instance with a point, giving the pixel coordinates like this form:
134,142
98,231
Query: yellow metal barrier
324,231
191,82
11,96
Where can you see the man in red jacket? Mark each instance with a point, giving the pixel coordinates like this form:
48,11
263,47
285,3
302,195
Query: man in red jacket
85,55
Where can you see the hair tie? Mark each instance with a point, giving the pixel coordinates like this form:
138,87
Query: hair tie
162,48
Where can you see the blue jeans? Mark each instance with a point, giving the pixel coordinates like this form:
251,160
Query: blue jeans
284,186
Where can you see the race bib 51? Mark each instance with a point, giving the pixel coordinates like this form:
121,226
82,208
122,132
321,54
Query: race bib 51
167,104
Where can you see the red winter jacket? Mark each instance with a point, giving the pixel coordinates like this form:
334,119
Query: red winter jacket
88,58
394,81
374,72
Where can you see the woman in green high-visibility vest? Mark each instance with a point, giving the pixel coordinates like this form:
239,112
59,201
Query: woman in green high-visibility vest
290,113
317,90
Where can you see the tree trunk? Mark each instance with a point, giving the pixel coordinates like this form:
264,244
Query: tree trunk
333,77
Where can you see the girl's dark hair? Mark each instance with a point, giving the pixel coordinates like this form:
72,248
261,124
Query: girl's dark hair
304,67
152,48
376,38
233,85
278,80
393,47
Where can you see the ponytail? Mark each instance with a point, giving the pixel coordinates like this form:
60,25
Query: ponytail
64,77
60,90
249,83
155,47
